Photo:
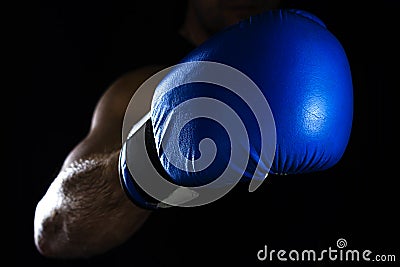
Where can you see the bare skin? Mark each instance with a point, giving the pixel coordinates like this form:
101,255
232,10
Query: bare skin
85,211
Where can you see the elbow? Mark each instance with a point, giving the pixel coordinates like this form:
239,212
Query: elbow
47,238
44,246
53,243
49,249
55,238
42,234
50,236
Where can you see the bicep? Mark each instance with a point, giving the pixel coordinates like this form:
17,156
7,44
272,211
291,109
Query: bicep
105,135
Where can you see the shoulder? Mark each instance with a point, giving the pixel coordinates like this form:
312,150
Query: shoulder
129,82
114,101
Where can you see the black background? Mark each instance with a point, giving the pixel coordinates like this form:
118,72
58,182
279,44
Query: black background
67,53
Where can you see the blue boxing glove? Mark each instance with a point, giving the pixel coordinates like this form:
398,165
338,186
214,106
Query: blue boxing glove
271,94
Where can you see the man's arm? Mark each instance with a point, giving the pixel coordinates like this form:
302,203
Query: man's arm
85,210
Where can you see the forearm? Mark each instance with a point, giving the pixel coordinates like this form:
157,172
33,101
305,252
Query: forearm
85,210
